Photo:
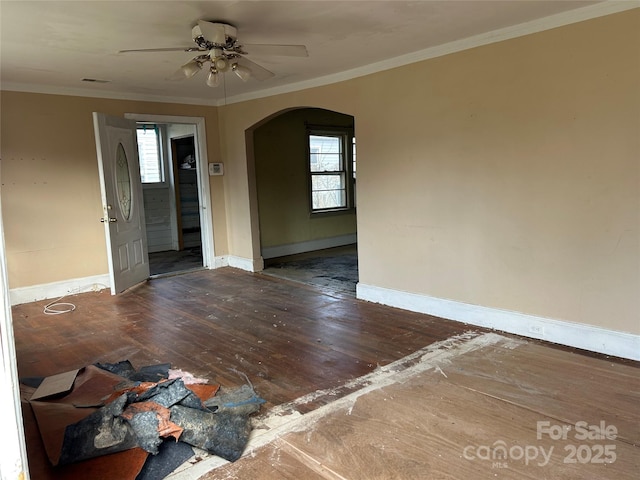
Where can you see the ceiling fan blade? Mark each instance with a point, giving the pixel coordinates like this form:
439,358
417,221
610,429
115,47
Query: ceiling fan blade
213,32
258,72
280,50
170,49
176,76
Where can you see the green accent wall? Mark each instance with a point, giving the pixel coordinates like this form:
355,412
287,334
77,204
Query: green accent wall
282,180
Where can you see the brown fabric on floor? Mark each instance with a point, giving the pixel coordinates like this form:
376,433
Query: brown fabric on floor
91,387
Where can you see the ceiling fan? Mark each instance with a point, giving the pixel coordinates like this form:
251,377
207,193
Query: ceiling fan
220,47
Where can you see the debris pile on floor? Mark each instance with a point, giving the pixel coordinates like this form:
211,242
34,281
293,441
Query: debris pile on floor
152,416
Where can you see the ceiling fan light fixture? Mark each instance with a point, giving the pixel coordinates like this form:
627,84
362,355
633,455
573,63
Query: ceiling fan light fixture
218,48
191,68
221,63
213,79
241,71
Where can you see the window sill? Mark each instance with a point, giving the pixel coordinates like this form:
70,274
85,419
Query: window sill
331,213
151,186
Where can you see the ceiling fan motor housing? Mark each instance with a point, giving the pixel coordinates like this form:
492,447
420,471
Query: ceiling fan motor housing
225,36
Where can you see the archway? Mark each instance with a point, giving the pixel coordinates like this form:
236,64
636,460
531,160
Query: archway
302,184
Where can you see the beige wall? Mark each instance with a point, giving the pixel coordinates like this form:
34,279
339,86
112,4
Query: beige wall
282,180
518,173
51,202
504,176
236,125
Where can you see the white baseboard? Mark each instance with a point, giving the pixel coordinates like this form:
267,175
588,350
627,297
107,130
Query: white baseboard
220,261
247,264
46,291
309,246
35,293
578,335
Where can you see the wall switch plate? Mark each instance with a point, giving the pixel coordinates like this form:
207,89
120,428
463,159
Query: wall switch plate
216,169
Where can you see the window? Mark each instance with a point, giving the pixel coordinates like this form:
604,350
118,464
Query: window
151,164
353,152
331,174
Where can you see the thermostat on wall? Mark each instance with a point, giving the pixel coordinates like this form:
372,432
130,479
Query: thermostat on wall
216,169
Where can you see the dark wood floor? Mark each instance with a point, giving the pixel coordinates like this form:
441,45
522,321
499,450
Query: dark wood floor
288,338
172,261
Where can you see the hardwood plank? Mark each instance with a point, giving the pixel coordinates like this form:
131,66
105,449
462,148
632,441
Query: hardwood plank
288,338
291,340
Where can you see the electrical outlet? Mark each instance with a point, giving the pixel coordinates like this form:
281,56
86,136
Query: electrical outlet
536,330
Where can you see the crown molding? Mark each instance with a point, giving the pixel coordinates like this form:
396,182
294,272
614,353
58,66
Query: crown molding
596,10
534,26
111,95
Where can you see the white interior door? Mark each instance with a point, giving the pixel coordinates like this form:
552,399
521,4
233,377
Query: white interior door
123,208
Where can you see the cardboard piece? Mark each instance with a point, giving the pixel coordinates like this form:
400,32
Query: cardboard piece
54,414
55,385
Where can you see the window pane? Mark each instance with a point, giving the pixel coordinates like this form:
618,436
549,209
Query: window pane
326,162
325,153
328,199
353,146
328,191
149,153
123,182
328,168
327,182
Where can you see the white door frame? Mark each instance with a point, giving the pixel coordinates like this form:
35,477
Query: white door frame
13,458
206,222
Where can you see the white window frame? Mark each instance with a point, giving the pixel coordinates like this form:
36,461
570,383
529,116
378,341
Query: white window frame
345,171
162,156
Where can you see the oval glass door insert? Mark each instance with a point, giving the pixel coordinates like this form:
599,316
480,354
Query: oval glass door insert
123,182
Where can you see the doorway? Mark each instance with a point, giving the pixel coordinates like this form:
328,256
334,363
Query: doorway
186,252
179,229
171,200
305,179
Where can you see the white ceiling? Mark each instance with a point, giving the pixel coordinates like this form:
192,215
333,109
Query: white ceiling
50,46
